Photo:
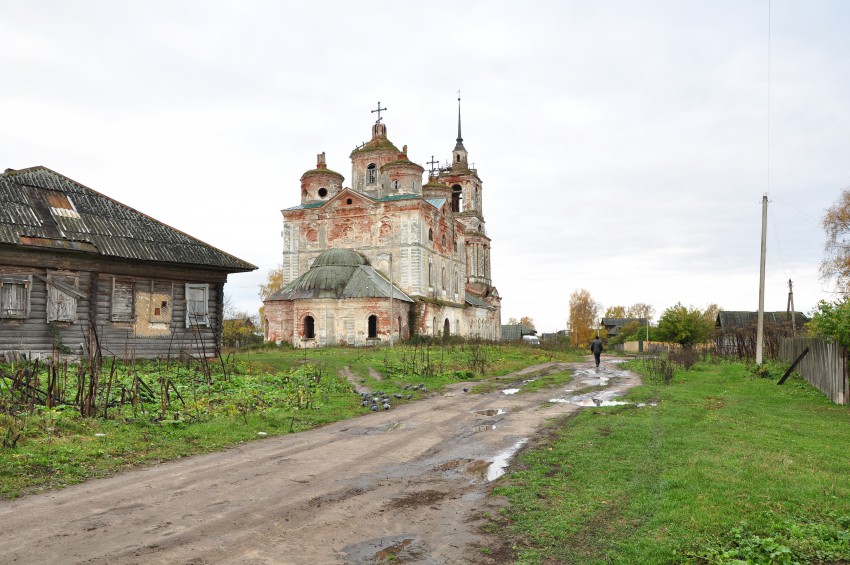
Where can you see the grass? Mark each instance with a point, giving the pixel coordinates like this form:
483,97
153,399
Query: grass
727,468
266,392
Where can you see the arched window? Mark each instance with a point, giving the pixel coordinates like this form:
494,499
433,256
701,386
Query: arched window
443,241
373,326
309,327
430,234
457,195
434,325
430,272
446,328
371,174
443,278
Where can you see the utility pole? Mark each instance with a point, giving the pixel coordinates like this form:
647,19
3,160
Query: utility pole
791,309
760,329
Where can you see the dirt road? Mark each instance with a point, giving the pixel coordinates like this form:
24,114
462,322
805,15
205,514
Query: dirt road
406,484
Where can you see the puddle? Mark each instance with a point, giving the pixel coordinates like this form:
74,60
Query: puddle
604,398
491,412
510,391
485,428
497,467
402,549
396,426
589,402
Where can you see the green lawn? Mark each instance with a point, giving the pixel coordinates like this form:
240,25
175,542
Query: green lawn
726,468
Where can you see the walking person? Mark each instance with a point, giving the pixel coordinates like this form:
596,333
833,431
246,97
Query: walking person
596,348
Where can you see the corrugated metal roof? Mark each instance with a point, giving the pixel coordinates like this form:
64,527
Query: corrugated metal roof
733,319
477,302
393,197
306,206
436,202
33,209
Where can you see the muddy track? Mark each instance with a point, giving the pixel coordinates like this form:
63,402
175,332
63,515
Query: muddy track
407,484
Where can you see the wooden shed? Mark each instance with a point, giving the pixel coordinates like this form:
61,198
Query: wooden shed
81,272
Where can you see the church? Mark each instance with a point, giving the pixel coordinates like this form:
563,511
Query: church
388,257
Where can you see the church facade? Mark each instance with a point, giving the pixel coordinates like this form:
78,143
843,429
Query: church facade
416,260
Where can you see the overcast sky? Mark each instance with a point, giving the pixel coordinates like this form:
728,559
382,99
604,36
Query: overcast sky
624,146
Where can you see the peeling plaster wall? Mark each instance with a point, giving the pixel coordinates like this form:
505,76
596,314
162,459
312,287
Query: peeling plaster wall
335,322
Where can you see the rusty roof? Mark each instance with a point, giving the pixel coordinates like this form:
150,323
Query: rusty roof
41,208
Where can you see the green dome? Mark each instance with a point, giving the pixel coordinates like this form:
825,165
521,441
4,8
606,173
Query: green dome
339,258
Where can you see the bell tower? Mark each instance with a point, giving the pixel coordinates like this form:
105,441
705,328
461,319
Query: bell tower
459,155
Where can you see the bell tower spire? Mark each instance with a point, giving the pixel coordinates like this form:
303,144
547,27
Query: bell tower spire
459,155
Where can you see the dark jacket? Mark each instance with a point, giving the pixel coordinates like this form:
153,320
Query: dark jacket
596,346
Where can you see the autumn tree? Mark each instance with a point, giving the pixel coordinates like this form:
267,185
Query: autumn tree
711,312
685,326
615,312
512,321
527,321
274,282
584,312
640,310
836,259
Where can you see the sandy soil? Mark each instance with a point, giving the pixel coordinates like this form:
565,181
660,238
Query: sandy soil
407,485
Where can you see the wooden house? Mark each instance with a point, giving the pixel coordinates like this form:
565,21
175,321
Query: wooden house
82,273
737,331
613,326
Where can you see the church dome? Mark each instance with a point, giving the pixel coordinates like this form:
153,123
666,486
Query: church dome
339,258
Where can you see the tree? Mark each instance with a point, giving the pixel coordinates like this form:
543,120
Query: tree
640,310
711,313
239,328
615,312
527,321
274,282
584,313
836,260
512,321
685,326
831,320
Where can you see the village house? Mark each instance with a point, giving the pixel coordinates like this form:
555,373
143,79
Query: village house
424,245
81,273
737,331
613,326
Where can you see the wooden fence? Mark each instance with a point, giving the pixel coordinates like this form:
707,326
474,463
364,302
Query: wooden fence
824,367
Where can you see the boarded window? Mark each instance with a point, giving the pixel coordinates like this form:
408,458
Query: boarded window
123,301
160,303
197,298
15,296
62,296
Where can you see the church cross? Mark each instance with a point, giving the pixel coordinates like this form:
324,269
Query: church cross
432,162
379,110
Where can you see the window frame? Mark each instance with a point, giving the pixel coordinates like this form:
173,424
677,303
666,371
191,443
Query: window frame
11,281
121,316
59,293
205,287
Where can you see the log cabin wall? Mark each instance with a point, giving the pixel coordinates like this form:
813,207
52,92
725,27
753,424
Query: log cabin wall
135,309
